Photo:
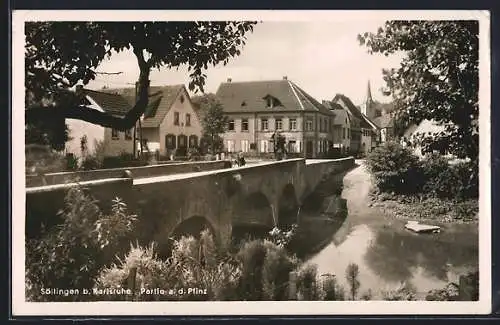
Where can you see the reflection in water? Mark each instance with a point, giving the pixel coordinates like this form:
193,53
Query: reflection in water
389,256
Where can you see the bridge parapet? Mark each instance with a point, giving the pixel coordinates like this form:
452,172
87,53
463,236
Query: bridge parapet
221,197
137,172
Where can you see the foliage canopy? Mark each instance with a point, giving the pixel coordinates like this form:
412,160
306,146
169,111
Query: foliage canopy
438,78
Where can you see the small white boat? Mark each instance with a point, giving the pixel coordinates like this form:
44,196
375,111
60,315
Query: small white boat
415,226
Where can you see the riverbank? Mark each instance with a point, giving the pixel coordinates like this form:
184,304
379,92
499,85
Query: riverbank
426,210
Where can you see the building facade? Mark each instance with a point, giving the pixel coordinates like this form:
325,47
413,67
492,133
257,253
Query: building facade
85,137
170,125
258,109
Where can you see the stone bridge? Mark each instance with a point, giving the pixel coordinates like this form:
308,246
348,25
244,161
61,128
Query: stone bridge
266,195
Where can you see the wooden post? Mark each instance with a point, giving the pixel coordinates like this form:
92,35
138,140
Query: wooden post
292,285
131,280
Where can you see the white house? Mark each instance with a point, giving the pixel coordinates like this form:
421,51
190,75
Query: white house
85,136
170,123
414,131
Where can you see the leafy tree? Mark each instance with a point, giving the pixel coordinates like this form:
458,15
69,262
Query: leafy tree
352,276
214,121
438,77
279,142
59,55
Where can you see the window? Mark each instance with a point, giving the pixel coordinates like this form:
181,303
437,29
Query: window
309,125
271,101
128,134
293,124
244,125
264,146
193,141
279,124
292,146
230,125
176,118
264,124
245,146
343,133
182,101
348,133
181,141
170,141
114,134
230,145
188,119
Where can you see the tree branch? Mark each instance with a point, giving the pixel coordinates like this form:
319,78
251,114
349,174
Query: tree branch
109,73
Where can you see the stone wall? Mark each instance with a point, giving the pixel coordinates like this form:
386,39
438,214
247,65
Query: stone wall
137,172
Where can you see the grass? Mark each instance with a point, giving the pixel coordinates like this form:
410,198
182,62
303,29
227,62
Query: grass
427,209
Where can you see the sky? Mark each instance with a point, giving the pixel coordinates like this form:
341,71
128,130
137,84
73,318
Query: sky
323,58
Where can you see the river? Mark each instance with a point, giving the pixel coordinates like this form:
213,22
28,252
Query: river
387,254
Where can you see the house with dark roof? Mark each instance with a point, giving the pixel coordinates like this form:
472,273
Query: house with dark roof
85,136
361,132
169,124
258,109
341,127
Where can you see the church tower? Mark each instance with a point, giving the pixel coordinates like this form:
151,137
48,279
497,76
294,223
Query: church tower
367,107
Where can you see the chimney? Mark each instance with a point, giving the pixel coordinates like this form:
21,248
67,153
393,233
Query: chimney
229,79
285,78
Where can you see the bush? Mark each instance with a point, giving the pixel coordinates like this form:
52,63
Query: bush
140,268
451,181
71,162
448,293
276,272
307,283
468,176
331,290
395,169
71,255
90,163
124,160
352,277
41,159
406,292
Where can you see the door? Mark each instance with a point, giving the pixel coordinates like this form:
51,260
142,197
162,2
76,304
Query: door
309,149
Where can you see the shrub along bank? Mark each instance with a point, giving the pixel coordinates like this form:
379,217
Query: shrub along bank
428,188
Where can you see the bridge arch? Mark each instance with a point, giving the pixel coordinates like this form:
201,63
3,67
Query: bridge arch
288,208
192,226
253,217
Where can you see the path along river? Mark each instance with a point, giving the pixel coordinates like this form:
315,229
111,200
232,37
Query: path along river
387,254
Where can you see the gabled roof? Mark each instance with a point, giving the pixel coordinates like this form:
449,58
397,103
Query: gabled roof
110,103
161,99
250,97
384,121
353,110
340,116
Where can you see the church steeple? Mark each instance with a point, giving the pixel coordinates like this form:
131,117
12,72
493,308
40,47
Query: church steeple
369,98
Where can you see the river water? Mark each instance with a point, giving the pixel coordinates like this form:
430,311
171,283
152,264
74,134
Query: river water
387,254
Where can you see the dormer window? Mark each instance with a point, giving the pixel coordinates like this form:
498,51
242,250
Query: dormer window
272,101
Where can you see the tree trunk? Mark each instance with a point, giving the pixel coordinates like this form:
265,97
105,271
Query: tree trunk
140,138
